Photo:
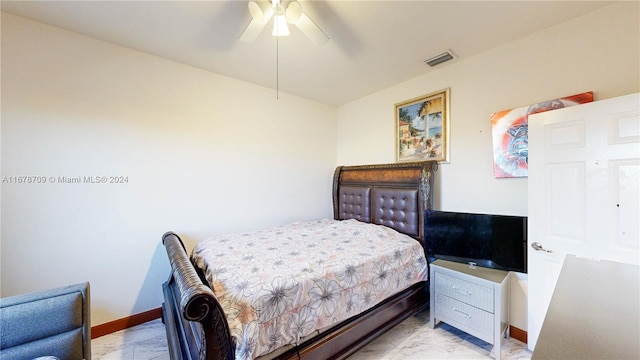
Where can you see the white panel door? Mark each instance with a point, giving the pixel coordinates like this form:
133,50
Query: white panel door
583,192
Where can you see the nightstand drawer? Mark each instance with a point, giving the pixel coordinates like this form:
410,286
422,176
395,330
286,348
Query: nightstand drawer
465,317
465,291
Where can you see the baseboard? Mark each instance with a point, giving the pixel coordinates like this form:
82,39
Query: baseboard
121,324
518,334
137,319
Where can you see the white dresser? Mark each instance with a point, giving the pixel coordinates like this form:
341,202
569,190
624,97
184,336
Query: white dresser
471,298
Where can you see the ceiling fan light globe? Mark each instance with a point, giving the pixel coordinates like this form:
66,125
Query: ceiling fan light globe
294,12
255,10
280,27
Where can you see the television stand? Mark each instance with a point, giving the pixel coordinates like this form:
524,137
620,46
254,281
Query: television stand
471,298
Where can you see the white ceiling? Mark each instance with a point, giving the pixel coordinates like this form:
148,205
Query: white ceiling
373,44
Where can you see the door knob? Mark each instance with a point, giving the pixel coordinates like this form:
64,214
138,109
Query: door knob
538,247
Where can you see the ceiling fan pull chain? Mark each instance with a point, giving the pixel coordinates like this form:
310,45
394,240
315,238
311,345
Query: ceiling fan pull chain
277,68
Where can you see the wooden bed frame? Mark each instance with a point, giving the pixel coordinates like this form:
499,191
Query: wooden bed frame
394,195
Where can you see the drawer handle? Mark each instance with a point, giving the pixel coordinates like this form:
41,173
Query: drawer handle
461,313
462,291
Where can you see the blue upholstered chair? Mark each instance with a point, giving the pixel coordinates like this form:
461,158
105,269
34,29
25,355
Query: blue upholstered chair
53,323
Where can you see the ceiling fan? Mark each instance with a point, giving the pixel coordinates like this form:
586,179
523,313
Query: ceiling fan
263,11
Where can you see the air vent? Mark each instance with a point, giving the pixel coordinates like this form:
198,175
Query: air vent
439,59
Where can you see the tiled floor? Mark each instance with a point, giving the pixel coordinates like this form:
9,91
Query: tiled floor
411,339
143,342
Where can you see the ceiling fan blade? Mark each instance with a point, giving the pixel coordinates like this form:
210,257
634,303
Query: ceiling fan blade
311,30
260,15
304,23
253,30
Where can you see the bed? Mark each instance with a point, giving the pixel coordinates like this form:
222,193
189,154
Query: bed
202,325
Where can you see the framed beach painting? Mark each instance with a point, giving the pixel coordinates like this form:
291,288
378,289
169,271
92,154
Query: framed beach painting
509,129
422,128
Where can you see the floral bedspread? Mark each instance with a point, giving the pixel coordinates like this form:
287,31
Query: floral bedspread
280,284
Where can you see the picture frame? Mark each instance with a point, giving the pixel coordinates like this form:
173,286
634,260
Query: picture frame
422,128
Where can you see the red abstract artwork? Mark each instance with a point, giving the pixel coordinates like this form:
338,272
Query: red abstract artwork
510,134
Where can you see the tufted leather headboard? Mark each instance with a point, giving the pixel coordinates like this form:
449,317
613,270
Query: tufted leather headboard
394,195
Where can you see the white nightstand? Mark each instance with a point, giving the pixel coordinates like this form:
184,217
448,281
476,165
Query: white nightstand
471,298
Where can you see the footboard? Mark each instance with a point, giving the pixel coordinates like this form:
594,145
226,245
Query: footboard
195,323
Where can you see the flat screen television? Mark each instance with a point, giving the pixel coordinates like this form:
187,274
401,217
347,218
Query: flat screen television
493,241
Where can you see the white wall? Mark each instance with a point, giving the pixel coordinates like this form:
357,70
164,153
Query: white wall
197,148
597,52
